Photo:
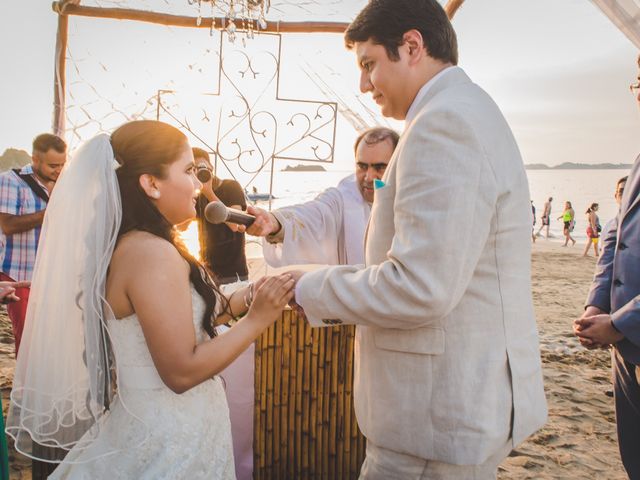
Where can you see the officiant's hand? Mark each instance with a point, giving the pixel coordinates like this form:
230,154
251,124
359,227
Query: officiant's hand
265,223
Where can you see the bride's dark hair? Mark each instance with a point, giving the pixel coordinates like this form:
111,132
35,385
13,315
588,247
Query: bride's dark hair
147,146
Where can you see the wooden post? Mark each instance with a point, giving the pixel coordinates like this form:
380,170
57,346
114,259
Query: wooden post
452,7
183,21
59,75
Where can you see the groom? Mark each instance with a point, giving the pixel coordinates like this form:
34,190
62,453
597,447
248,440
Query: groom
447,372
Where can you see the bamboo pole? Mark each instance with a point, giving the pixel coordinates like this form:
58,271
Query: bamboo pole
340,461
452,7
298,409
270,374
184,21
260,397
284,418
60,77
321,398
277,404
350,434
313,405
326,413
306,396
296,324
333,399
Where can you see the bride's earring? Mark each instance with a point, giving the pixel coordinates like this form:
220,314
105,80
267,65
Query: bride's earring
155,194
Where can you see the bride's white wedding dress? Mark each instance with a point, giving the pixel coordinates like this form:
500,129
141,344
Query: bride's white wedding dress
188,435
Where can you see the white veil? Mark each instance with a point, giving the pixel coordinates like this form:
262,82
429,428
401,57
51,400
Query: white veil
62,379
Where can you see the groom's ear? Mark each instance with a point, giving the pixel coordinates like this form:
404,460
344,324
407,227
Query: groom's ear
414,43
149,185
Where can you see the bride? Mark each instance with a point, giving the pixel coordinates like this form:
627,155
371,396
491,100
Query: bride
120,353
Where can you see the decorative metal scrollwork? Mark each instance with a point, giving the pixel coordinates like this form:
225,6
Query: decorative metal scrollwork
246,123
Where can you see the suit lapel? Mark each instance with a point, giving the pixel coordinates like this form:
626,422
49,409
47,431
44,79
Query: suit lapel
455,77
385,179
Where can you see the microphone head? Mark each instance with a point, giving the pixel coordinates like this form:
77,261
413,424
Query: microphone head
216,212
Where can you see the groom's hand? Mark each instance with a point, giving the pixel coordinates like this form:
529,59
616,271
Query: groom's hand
296,275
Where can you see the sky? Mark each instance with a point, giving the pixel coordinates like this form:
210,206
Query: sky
558,69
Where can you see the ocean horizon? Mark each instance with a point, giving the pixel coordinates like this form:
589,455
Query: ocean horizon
581,187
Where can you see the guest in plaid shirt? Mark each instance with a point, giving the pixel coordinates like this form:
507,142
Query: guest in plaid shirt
23,198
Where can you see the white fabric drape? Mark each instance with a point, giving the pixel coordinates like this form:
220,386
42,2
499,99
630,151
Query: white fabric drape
625,14
63,380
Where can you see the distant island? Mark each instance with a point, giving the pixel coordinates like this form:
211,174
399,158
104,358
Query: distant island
579,166
304,168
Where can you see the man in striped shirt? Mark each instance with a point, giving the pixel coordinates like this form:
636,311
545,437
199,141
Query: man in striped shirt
24,194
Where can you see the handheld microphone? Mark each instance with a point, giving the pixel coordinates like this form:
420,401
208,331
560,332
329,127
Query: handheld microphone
218,212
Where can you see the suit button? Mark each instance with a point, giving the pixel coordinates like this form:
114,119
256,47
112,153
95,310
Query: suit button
622,246
617,282
331,321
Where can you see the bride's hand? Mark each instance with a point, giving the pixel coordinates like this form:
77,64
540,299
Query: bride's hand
271,296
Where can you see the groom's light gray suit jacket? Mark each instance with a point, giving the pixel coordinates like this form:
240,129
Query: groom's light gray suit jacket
447,358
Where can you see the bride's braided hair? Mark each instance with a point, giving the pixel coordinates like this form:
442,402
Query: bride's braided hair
149,147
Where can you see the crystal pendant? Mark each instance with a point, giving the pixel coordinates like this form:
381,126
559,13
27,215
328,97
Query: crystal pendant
231,31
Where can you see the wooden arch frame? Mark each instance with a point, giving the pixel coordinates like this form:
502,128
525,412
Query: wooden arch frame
65,8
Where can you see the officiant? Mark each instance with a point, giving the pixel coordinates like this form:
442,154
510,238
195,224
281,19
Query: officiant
330,229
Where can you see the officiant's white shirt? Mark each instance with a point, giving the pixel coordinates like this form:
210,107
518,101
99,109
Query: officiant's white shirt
328,230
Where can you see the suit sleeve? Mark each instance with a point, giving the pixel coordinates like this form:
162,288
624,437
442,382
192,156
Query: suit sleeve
627,320
600,292
445,197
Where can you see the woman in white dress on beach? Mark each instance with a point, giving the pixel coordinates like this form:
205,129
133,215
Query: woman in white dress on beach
121,355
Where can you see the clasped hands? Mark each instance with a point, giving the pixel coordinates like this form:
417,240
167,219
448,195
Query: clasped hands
595,329
295,276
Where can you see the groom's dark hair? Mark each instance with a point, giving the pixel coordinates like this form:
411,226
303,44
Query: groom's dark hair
385,22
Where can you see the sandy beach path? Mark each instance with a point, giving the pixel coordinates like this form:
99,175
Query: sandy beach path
579,439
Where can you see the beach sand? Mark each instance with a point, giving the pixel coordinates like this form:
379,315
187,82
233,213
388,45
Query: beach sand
579,439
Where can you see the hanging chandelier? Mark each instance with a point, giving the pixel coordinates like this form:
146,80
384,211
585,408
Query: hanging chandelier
246,15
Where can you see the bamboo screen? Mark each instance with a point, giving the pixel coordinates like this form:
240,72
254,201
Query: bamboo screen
304,422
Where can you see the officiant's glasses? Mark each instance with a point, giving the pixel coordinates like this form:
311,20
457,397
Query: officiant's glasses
378,167
635,87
